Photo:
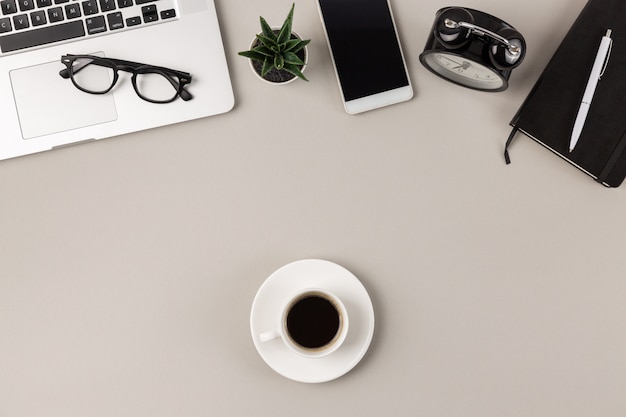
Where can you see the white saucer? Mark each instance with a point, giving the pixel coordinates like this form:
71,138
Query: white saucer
276,292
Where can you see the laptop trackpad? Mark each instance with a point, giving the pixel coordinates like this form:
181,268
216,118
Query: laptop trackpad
47,103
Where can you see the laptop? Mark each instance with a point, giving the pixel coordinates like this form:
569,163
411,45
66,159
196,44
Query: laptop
41,110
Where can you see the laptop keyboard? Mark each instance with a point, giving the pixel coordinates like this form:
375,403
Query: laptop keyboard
26,24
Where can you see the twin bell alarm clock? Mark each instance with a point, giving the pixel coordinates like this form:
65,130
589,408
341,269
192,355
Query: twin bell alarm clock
473,49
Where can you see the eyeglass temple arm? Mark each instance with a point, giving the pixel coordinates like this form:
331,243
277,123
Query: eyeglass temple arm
65,73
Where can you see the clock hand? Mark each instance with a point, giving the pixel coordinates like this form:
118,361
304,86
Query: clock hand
452,60
464,66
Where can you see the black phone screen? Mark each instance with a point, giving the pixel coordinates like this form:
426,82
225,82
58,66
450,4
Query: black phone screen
364,46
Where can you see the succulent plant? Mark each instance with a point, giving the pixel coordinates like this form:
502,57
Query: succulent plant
278,49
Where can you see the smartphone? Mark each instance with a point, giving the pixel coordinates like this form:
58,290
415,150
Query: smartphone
366,53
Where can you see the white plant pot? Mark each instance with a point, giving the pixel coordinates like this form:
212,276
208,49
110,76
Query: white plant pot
306,60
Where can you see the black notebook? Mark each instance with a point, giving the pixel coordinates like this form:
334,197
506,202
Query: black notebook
548,113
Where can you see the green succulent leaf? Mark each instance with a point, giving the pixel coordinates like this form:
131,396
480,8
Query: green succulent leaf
267,67
291,58
263,50
292,45
267,29
292,69
268,42
254,55
279,62
285,31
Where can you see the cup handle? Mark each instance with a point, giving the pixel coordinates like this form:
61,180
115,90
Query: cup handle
267,336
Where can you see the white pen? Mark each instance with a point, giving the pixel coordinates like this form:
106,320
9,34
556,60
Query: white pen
597,70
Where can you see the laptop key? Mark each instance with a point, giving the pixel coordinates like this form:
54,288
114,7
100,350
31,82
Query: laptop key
55,14
107,5
26,5
5,25
72,11
149,13
42,36
8,6
133,21
96,25
20,22
115,20
38,18
90,7
168,14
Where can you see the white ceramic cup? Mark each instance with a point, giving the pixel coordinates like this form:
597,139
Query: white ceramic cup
315,302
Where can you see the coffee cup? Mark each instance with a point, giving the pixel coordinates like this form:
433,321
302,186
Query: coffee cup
313,323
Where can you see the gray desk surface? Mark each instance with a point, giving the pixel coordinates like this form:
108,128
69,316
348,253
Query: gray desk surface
128,267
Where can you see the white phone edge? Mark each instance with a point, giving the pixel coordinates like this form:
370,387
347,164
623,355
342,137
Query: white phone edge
375,101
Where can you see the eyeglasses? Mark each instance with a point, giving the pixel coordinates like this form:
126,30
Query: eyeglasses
95,75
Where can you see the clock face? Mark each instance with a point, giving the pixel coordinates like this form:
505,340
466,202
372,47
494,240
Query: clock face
463,71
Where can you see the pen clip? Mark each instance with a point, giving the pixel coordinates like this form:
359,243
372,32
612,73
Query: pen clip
606,60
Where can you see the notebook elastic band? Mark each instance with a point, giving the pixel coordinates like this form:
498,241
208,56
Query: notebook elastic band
508,143
610,164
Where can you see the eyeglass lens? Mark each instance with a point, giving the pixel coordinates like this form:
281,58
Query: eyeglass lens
92,78
156,86
97,76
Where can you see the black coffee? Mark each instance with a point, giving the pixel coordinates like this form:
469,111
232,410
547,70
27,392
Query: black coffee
313,322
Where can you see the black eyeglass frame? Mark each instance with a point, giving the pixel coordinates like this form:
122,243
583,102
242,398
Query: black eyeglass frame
178,79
